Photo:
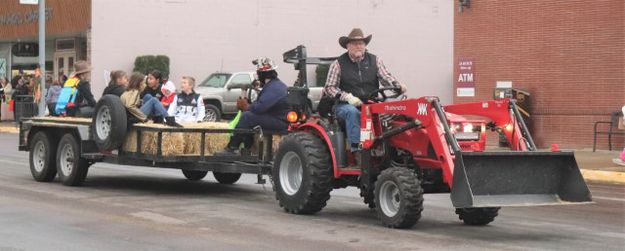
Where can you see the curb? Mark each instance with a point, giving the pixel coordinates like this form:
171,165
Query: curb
603,176
9,129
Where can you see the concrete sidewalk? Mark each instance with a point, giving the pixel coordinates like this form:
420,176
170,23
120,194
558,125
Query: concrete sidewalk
595,166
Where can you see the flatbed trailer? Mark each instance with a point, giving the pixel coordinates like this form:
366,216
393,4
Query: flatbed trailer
43,138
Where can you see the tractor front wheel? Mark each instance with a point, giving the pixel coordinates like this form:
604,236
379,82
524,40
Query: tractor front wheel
477,216
302,173
398,197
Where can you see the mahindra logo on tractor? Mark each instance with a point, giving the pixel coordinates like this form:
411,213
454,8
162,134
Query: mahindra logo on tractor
423,109
395,107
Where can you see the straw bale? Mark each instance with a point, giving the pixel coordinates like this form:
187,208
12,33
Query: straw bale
178,143
275,142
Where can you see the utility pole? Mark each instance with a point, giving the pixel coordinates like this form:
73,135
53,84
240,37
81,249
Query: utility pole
42,56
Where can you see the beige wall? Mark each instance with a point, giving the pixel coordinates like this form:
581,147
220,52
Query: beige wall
414,38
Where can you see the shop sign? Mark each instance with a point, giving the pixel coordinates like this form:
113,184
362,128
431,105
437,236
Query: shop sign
33,2
27,17
465,80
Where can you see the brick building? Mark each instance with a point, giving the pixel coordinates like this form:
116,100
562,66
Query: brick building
568,54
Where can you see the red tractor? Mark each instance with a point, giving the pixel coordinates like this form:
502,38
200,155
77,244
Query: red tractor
410,149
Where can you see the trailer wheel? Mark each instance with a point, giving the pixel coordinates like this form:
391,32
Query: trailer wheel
398,197
302,173
226,178
477,216
42,157
72,168
194,174
109,123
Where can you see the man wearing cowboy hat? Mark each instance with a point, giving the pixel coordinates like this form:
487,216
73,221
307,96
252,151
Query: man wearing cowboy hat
85,102
352,77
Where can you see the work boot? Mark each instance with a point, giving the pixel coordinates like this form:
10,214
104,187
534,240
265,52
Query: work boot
158,120
229,151
171,121
356,155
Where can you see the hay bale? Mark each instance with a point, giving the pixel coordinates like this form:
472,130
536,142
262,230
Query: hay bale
178,143
214,142
275,143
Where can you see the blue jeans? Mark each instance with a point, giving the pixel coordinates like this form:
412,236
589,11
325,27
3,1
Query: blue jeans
351,116
152,106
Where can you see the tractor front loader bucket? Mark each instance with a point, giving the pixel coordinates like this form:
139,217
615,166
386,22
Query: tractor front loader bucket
528,178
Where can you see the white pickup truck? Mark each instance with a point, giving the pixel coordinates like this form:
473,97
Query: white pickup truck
220,92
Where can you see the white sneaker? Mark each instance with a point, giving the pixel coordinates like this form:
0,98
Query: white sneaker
618,162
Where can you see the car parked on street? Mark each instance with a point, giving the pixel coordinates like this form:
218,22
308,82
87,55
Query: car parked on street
220,92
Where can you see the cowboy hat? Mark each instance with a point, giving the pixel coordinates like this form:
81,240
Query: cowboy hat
81,67
355,35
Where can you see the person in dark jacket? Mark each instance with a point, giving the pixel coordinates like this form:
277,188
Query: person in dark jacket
154,85
117,86
268,111
84,102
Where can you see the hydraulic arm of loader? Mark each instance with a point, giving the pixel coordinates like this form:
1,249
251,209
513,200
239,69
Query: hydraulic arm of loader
506,117
522,177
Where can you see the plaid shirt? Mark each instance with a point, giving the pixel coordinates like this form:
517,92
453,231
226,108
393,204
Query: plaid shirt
334,79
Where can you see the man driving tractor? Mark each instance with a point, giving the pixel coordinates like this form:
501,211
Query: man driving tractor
353,77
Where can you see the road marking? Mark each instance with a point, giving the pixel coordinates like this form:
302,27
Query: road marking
159,218
608,198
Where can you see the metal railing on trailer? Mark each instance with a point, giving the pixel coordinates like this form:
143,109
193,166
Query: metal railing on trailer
259,164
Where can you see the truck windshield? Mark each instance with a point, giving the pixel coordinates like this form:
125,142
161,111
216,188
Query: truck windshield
217,80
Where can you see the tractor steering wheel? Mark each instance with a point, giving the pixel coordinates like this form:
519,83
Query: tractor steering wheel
375,97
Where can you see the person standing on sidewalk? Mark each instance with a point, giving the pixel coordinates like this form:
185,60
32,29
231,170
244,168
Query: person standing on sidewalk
621,159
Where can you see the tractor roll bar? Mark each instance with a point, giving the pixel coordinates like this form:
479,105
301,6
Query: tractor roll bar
299,59
521,122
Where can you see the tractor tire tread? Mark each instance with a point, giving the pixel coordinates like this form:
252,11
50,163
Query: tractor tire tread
413,196
318,161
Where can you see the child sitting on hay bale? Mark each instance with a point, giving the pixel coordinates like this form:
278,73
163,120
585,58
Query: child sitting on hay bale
151,106
187,106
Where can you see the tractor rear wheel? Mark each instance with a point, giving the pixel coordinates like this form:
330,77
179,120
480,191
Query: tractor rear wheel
302,173
398,197
477,216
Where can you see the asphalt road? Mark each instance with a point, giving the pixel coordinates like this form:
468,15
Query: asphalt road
137,208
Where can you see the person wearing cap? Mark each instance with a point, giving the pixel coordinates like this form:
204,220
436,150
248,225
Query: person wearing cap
268,111
84,102
352,77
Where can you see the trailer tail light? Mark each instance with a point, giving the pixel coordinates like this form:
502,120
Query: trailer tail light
291,117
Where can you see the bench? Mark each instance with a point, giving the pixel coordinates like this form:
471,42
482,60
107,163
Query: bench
613,129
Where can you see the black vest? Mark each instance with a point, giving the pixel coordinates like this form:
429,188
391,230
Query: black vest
187,103
359,78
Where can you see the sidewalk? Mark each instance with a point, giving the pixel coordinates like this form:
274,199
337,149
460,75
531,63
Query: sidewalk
598,166
595,166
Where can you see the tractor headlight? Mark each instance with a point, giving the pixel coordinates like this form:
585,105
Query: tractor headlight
467,127
467,131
